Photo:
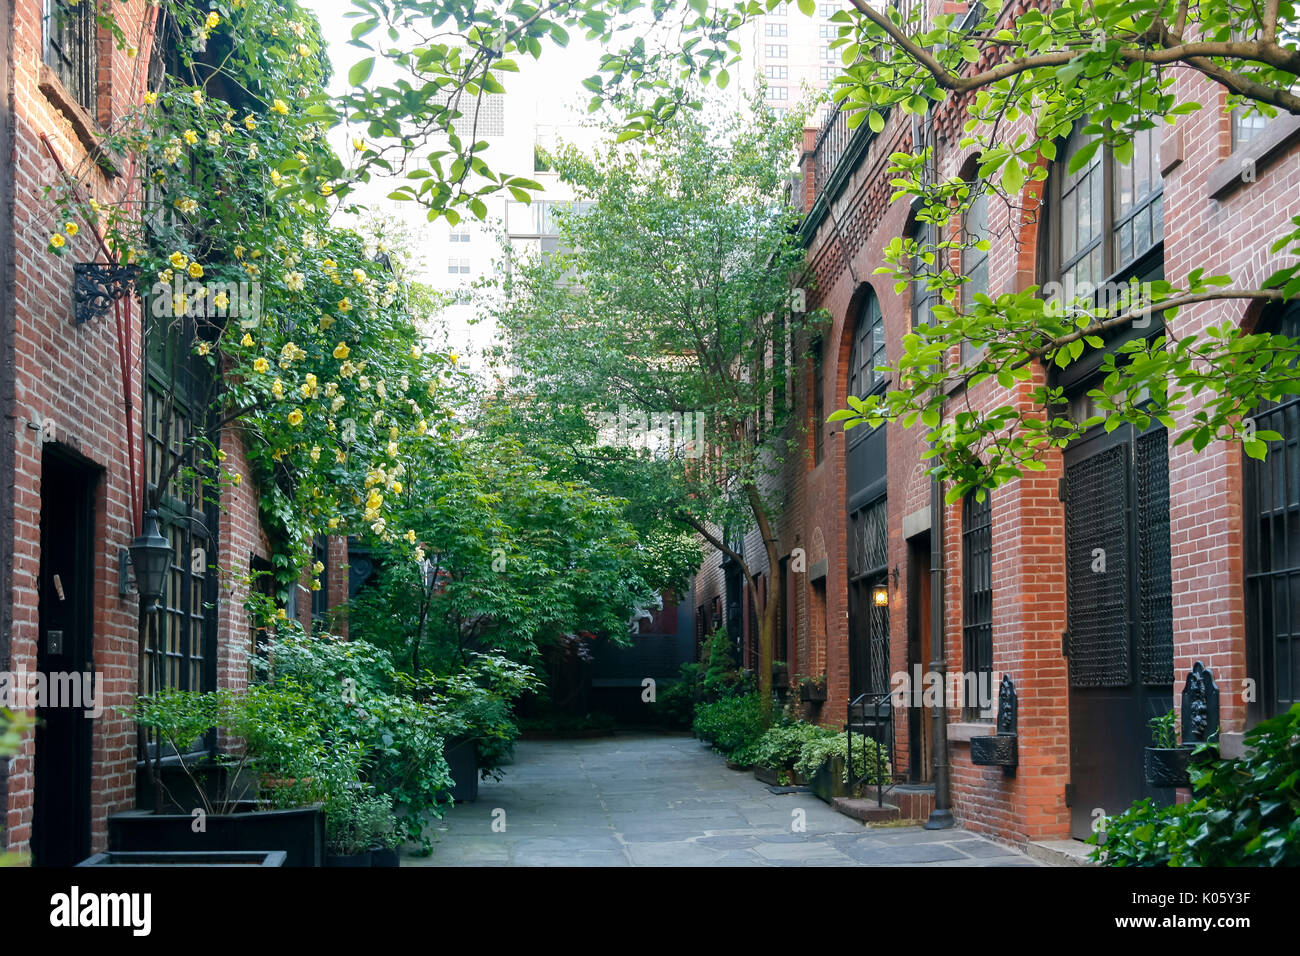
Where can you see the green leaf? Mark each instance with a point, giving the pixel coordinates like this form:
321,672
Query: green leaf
361,71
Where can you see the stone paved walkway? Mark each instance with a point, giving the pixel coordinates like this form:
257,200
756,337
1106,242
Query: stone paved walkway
634,800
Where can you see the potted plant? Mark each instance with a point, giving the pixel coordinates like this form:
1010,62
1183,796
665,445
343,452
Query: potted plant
780,675
812,690
275,736
1166,762
356,821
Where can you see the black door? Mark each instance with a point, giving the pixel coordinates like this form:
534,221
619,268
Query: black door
1119,639
61,812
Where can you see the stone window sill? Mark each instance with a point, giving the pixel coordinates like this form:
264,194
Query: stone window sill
85,128
962,732
1279,134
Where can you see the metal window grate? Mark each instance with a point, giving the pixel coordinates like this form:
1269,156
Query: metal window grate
1096,517
1155,583
72,48
977,585
1272,489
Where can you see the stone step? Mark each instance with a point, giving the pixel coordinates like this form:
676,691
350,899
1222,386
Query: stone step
866,811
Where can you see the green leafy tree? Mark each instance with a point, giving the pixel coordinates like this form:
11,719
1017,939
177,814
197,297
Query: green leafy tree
674,298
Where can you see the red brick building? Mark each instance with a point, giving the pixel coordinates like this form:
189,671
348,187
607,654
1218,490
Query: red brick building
1200,546
84,431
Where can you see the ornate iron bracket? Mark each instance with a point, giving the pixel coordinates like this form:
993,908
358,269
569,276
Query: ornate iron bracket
97,285
1000,749
1200,707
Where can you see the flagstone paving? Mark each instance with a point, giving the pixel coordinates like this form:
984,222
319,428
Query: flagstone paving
661,800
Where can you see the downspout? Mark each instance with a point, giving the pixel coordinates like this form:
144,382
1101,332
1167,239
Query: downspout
941,817
8,328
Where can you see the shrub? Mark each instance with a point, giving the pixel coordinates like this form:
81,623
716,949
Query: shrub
1243,812
868,756
358,819
729,723
780,747
722,677
674,704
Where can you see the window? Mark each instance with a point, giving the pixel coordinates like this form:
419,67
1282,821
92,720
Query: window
461,235
776,51
818,403
977,601
868,351
72,49
828,31
923,296
777,71
458,266
1273,552
778,93
775,30
975,261
826,10
177,398
828,54
1108,215
781,9
829,72
320,597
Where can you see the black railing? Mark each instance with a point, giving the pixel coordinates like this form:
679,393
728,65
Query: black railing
872,716
831,144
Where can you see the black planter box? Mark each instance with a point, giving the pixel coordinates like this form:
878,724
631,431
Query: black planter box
199,858
351,860
1168,767
299,832
383,856
828,782
462,759
996,750
812,693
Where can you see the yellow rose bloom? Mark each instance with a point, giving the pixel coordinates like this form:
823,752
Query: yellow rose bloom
345,304
195,270
249,122
296,281
333,523
261,365
71,228
295,418
221,300
214,138
236,478
212,20
280,106
178,260
314,454
57,241
340,455
392,449
410,536
190,136
246,341
326,322
150,98
204,348
277,388
359,145
397,487
197,97
304,50
341,351
454,357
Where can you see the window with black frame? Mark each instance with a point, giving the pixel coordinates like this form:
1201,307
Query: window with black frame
71,37
977,602
867,354
177,398
923,296
320,602
818,403
974,260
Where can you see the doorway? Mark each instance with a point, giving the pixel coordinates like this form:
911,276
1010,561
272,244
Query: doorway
1119,638
61,804
920,727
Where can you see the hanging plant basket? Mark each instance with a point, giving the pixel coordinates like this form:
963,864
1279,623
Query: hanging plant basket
1167,766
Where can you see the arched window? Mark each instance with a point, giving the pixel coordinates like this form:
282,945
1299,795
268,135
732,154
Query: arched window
922,295
868,349
975,261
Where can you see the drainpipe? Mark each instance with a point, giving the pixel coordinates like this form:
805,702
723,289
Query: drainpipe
941,816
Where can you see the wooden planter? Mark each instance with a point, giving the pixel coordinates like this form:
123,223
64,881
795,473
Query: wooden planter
812,693
198,858
828,782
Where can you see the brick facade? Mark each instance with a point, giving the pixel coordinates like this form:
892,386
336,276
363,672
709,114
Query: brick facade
63,394
1213,220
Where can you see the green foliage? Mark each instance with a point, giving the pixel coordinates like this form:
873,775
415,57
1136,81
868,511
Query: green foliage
721,676
781,746
1243,812
674,705
869,758
730,723
1164,731
359,819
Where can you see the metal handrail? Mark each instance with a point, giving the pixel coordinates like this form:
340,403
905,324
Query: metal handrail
861,703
